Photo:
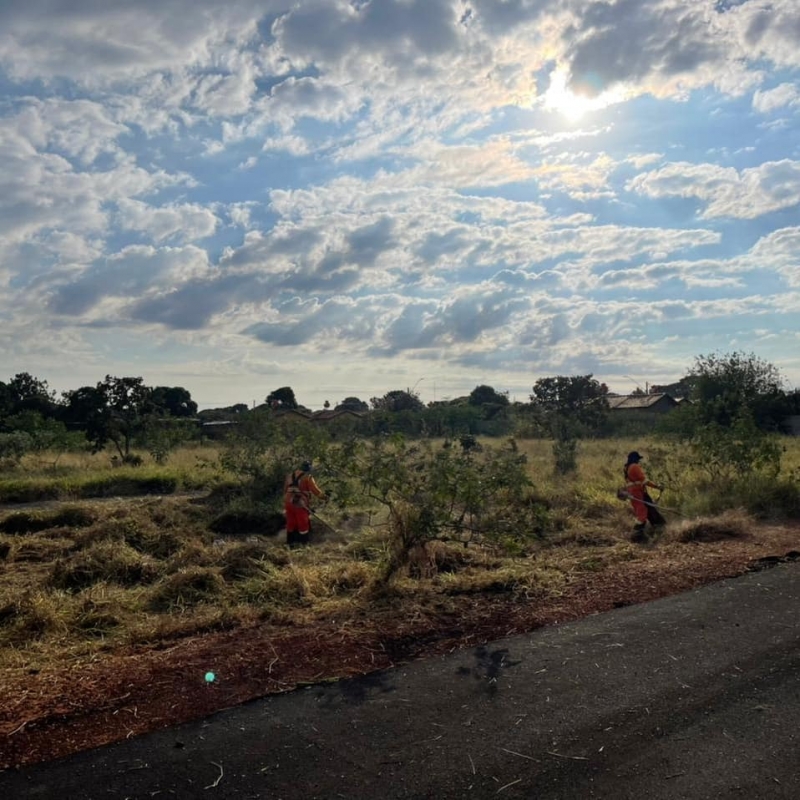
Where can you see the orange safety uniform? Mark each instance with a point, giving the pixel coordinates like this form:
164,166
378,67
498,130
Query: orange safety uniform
297,490
637,483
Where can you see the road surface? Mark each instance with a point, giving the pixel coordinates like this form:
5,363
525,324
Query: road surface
693,696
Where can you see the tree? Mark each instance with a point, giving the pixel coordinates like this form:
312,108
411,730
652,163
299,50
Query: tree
571,400
174,400
727,386
568,406
490,402
485,395
282,398
27,393
397,400
462,494
115,411
352,404
6,400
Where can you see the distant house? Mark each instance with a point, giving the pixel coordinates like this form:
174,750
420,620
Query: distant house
218,428
330,414
294,413
653,403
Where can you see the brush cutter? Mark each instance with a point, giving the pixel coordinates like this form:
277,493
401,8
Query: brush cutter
323,520
624,494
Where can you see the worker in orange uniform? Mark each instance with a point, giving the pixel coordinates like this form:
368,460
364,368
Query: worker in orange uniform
636,485
297,490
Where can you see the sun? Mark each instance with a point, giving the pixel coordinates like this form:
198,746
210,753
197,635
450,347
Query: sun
561,99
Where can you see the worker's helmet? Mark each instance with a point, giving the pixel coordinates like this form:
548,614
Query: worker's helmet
306,466
634,457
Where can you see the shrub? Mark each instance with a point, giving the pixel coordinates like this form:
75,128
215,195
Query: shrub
12,447
770,498
565,452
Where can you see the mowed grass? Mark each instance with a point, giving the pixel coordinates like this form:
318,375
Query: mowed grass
92,576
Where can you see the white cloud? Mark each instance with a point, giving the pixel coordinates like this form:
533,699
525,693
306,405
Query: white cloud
183,222
727,192
100,43
771,99
422,204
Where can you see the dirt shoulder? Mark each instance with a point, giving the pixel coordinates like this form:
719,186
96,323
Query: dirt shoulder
49,714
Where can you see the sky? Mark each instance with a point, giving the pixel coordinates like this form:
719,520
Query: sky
350,197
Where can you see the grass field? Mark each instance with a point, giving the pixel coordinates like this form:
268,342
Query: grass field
128,557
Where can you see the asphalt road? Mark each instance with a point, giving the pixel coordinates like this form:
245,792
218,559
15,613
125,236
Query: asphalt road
694,696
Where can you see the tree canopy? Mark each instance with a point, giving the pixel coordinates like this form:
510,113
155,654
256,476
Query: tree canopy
283,397
397,400
352,404
174,400
579,397
485,395
727,386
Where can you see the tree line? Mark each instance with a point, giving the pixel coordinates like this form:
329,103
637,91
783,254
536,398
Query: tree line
725,392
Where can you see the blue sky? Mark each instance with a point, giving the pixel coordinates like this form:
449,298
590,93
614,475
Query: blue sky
354,196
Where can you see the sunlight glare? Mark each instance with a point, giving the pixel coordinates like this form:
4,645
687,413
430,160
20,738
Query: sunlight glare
560,98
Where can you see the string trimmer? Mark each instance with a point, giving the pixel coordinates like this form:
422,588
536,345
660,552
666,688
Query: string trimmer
622,494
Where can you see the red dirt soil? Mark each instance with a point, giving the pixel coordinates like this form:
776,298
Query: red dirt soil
51,714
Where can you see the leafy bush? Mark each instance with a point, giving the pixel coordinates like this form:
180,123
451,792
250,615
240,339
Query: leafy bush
443,493
739,450
565,452
766,497
12,447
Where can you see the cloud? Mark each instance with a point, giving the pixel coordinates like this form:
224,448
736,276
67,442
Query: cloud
133,271
41,189
400,32
381,181
727,192
181,222
772,99
99,43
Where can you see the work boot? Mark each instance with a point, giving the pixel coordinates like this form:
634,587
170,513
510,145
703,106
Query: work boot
638,532
291,538
302,539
